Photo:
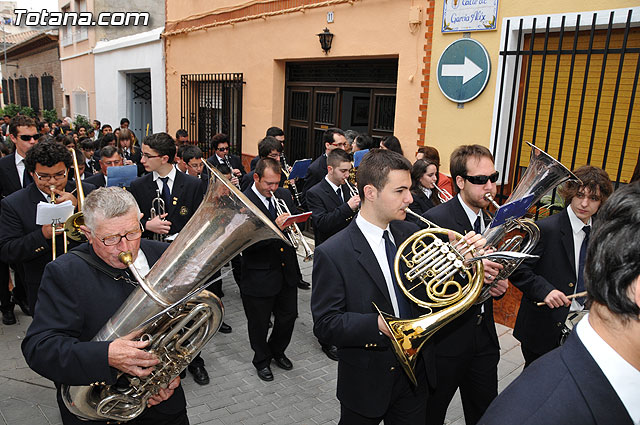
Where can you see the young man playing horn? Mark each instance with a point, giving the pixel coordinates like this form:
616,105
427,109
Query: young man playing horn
351,271
558,271
78,297
593,377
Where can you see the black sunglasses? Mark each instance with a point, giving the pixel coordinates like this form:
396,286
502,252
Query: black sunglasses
27,137
482,179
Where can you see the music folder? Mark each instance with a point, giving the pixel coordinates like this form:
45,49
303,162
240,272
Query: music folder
298,218
121,176
299,169
511,210
357,157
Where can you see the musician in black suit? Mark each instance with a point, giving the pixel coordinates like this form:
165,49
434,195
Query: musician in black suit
181,193
13,177
558,271
22,241
77,298
276,133
352,270
592,378
467,349
109,157
268,284
222,155
269,147
88,147
333,138
424,178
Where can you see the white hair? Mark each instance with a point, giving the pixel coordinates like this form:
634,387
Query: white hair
107,202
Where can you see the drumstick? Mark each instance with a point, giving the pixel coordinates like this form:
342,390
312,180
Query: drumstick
579,294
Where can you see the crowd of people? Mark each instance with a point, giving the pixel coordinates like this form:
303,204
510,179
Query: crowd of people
358,221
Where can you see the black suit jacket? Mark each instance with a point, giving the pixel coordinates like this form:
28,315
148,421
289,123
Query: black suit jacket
234,160
9,179
420,205
97,180
316,172
269,264
254,161
21,239
346,282
330,213
539,328
457,336
74,302
565,386
186,196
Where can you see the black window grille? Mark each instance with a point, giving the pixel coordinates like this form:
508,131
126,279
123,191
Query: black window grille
5,91
571,92
46,81
212,104
23,95
12,92
34,97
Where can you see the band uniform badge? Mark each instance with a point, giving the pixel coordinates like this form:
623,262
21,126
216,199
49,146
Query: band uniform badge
184,210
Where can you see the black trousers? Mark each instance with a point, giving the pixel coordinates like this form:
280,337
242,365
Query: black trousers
529,356
284,306
476,374
5,294
407,406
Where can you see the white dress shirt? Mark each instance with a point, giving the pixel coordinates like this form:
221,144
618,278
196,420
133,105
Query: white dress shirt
427,192
20,166
578,238
373,235
172,178
264,200
623,377
141,263
472,214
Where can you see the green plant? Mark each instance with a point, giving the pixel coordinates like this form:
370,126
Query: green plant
49,115
28,111
11,109
81,120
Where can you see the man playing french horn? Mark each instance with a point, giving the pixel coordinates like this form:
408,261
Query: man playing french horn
79,293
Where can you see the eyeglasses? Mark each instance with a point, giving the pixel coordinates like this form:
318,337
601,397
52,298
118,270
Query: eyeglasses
46,177
27,137
482,179
115,239
223,149
146,155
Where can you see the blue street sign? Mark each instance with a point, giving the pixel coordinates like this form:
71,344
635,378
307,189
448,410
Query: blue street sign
463,70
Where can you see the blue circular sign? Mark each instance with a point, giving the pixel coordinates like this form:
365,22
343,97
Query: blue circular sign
463,70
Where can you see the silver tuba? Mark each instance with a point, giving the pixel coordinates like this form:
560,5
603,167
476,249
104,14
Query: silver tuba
168,309
522,234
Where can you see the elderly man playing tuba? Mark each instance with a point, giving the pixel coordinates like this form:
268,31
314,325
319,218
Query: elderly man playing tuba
79,292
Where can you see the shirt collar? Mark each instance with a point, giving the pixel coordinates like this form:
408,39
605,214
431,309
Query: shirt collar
18,158
262,198
171,175
333,186
371,232
470,213
622,376
576,223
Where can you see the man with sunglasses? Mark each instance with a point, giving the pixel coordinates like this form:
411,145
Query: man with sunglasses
80,292
22,241
333,138
220,142
467,349
23,133
558,272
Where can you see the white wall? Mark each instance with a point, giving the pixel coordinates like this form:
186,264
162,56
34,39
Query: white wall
113,60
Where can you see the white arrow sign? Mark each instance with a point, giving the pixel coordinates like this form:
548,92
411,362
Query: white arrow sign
467,71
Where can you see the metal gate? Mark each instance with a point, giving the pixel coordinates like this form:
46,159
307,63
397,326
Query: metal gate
140,104
212,104
568,84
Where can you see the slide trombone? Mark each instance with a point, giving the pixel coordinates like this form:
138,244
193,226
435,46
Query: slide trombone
53,229
73,223
293,231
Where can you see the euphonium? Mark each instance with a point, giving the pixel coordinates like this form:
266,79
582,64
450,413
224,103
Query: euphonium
522,234
165,309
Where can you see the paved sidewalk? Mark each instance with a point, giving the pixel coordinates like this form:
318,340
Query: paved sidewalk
304,395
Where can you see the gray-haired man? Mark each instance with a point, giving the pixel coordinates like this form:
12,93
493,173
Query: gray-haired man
77,296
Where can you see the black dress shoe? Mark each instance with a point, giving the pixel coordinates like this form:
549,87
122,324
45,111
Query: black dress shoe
225,329
304,285
331,351
283,362
8,318
200,374
265,374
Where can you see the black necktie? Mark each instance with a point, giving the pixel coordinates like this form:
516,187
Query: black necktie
403,305
477,226
339,193
581,260
272,209
26,177
166,192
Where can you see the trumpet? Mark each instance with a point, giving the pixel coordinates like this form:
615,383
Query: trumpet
443,194
286,169
158,208
293,232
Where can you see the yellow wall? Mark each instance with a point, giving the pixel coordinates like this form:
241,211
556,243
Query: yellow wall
260,49
448,126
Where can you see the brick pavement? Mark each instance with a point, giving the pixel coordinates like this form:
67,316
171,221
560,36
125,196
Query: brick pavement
304,395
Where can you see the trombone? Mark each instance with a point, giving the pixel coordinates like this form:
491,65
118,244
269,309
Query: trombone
73,223
293,231
53,229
